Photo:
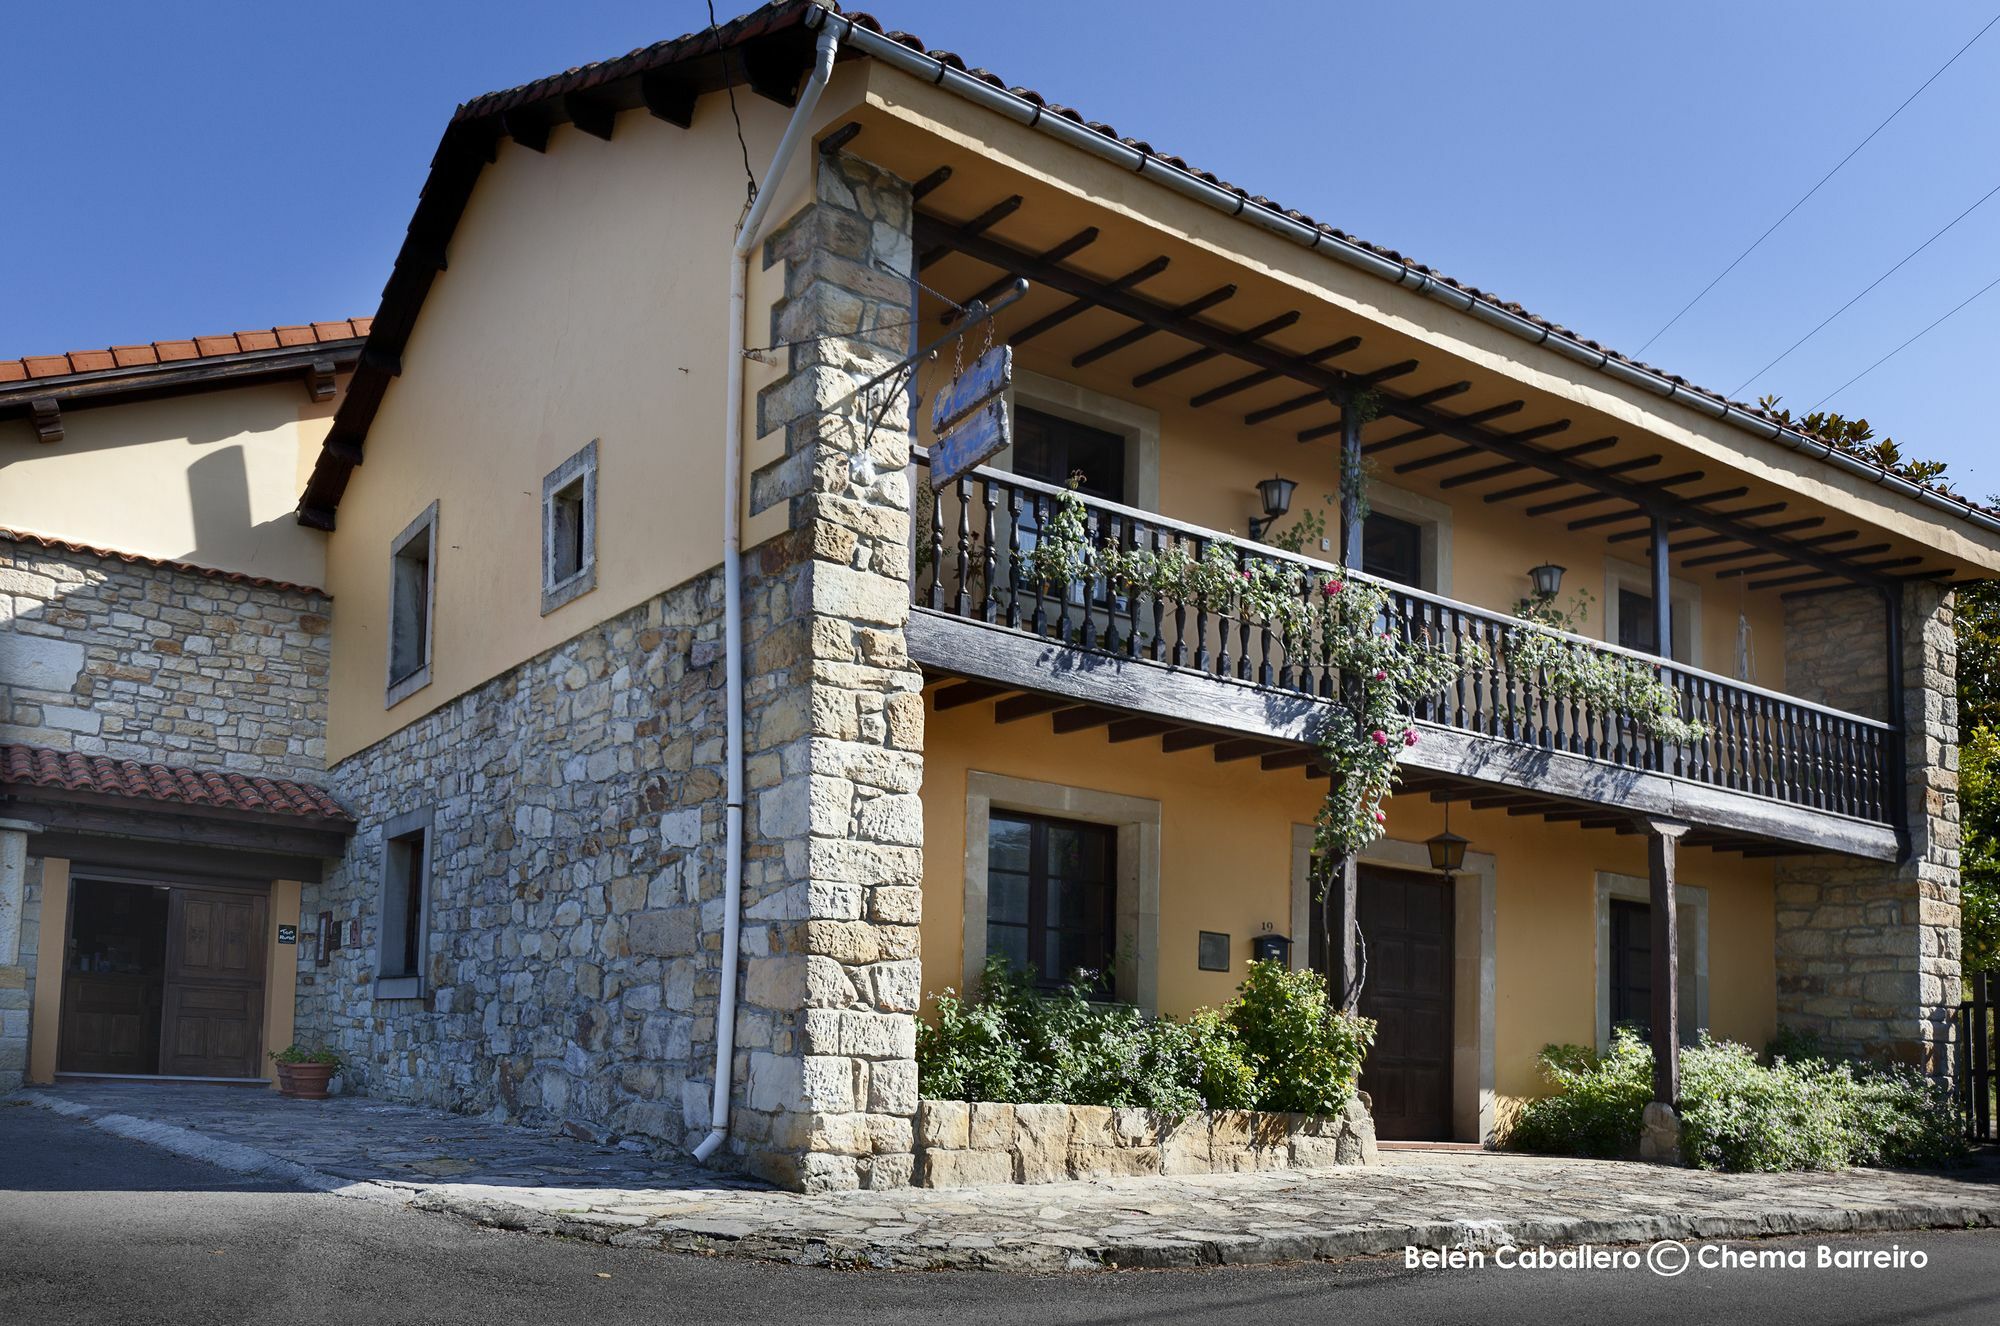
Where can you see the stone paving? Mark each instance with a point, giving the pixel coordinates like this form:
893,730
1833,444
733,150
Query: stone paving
511,1177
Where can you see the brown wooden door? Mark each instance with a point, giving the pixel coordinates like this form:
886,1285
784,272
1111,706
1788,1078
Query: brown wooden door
1406,922
213,1019
110,1023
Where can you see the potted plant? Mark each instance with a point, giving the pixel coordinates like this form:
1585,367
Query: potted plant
302,1073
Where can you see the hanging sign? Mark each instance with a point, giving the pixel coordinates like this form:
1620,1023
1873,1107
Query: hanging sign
969,417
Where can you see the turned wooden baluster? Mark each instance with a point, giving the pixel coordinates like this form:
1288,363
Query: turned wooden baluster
937,549
1014,557
989,604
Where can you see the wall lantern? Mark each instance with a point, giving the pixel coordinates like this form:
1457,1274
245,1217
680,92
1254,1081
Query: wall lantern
1447,849
1547,579
1276,493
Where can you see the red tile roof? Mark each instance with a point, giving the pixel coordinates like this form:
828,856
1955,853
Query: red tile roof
41,767
55,544
149,353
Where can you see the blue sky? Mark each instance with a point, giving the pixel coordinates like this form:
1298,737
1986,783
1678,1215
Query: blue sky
182,169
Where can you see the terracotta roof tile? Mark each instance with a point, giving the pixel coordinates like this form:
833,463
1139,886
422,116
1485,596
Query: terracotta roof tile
54,544
32,367
41,767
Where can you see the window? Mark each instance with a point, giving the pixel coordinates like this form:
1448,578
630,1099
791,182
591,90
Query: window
403,943
1052,896
569,529
1393,549
1628,612
1632,965
1051,449
412,591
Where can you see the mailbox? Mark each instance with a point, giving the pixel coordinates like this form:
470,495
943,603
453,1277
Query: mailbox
1272,948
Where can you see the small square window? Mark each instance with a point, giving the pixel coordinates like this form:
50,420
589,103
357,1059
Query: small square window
412,591
403,942
1212,951
569,529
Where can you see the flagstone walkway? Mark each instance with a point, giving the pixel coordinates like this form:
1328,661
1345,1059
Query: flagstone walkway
517,1178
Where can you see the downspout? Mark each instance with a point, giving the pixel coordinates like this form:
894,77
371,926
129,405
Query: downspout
749,232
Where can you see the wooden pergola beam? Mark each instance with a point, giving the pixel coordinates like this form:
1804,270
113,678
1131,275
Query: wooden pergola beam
1200,303
1132,729
985,221
1345,345
1075,244
1145,271
1467,451
1738,554
1318,431
966,692
1507,467
931,233
1486,415
1017,707
1198,357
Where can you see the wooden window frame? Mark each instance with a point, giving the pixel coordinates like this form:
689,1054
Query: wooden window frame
1039,925
405,875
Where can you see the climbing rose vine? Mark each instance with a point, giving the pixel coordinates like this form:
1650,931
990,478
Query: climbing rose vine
1325,617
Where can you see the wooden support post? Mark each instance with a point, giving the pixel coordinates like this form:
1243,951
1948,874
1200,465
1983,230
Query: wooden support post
1662,842
1351,513
1343,929
1663,597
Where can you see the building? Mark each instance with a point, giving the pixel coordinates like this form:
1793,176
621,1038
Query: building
538,870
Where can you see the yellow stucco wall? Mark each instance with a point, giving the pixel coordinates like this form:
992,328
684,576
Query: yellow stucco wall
211,478
1225,855
586,299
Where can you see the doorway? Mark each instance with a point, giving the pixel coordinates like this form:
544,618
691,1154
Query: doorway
163,979
1407,919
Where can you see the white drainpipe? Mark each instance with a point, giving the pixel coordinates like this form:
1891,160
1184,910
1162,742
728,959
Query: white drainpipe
748,234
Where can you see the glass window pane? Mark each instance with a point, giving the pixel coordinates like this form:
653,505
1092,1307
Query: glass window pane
1009,942
1007,897
1007,844
1076,851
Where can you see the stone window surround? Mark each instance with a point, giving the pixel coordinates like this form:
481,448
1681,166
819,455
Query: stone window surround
1474,984
1138,425
399,689
402,826
1138,823
1427,514
1621,574
1691,904
581,466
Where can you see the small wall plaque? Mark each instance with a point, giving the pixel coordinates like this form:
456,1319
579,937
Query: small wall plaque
1212,951
288,934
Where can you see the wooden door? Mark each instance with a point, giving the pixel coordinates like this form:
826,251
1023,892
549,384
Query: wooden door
1406,923
213,1019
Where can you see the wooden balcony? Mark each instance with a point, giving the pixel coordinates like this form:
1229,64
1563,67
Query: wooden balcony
1771,773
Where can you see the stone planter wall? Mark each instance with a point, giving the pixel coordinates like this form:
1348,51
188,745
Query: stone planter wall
961,1144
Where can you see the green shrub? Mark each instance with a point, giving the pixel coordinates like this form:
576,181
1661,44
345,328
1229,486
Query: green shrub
1801,1111
1278,1047
1598,1104
1306,1054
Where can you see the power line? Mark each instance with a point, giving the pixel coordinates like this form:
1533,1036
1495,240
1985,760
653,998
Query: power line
1817,187
1737,390
1904,346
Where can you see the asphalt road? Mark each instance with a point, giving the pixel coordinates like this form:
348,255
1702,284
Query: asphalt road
95,1229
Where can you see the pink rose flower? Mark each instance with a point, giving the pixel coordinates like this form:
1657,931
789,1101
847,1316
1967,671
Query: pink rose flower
1381,818
1381,737
1409,736
1380,675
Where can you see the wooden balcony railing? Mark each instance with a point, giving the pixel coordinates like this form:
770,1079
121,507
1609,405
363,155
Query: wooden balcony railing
973,542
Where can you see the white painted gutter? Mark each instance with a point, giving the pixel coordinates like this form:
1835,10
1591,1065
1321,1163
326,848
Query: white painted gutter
1186,182
749,233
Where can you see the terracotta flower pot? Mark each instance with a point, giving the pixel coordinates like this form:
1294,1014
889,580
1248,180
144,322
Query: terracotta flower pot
304,1081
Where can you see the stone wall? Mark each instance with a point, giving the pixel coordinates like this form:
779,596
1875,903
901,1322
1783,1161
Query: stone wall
832,890
17,977
960,1144
1868,952
575,901
139,660
1837,651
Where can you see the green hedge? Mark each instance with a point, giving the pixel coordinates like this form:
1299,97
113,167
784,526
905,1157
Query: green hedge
1280,1045
1802,1110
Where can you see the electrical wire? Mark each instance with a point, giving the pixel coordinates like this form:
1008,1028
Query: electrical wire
1738,389
1905,345
729,85
1817,187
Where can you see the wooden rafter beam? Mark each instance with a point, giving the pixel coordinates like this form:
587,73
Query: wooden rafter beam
1515,467
669,97
1467,451
1132,729
978,225
1145,271
1738,554
1595,495
1618,517
1083,719
930,183
1075,244
1017,707
1193,738
1780,563
1486,415
1784,527
1200,303
1345,345
1140,309
1430,397
1870,568
1198,357
965,692
1290,759
1244,748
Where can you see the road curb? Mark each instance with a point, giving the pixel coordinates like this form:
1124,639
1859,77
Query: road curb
713,1235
